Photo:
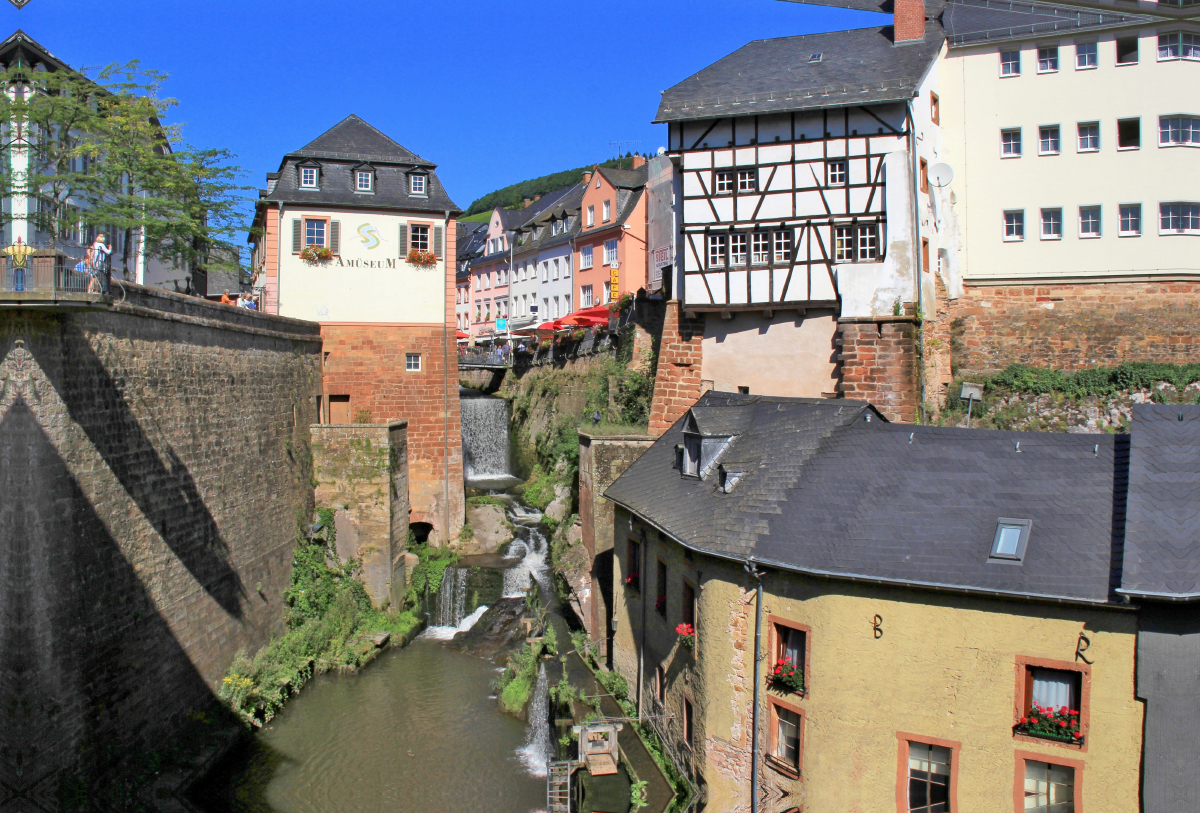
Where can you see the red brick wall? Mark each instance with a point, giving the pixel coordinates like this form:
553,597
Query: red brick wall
366,362
1073,325
879,365
677,382
908,18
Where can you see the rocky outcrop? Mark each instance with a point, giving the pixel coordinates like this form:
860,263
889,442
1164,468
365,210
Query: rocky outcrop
497,632
560,507
490,527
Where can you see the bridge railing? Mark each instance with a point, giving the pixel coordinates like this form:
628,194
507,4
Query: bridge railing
484,358
46,270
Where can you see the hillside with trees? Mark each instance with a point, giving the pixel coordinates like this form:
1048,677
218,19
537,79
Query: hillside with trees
511,197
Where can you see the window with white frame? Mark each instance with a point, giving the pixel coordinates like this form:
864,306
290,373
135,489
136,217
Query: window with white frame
835,173
718,244
783,247
1049,788
738,244
585,257
545,307
607,211
555,274
1089,136
868,243
1089,221
843,244
556,306
478,310
760,248
1010,63
724,182
419,238
487,280
1178,218
928,778
591,215
1010,143
747,180
416,184
545,270
1047,59
479,282
585,296
314,232
1130,215
362,181
1049,142
1014,224
567,303
1178,131
610,252
1086,56
412,362
1178,45
308,177
1051,224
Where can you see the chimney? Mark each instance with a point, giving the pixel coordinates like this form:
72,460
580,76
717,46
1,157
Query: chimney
638,161
908,20
537,197
525,203
587,178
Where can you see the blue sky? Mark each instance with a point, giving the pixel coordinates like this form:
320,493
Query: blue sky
493,92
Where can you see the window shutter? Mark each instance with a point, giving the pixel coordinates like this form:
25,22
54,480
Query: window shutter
404,240
437,242
297,235
335,237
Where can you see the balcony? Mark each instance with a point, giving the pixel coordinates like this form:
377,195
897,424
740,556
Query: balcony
46,274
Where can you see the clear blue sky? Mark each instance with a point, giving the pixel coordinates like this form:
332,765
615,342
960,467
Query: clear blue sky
493,92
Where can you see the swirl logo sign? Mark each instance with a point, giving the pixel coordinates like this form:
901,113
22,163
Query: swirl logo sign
369,235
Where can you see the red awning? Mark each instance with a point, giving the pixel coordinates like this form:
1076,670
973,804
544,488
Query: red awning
458,334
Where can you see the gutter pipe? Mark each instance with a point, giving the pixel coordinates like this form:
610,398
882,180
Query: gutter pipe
758,603
447,264
916,223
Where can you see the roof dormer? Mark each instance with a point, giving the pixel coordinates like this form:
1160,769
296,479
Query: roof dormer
363,179
308,175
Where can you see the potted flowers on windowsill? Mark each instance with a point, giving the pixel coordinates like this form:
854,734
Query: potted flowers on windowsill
422,259
633,581
787,676
316,254
1061,724
687,635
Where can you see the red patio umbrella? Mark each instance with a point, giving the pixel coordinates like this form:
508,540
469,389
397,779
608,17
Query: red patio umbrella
458,334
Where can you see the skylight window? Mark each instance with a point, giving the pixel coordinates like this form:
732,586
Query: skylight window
1012,535
815,58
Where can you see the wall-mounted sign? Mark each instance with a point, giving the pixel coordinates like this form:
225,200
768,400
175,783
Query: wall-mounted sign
501,324
615,279
662,257
369,235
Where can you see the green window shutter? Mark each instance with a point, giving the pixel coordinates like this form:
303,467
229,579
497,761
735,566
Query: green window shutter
437,242
297,235
404,240
335,237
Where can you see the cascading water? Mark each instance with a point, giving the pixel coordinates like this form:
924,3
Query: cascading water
536,751
449,616
485,438
532,565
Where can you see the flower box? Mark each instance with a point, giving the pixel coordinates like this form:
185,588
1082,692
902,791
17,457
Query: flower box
687,635
634,581
787,676
1059,725
423,259
316,254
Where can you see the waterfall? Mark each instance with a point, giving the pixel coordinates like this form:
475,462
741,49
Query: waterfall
536,751
448,632
485,437
532,565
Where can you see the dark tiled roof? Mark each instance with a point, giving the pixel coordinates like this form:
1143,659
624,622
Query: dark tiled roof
353,139
830,493
1162,531
861,66
973,21
625,178
471,239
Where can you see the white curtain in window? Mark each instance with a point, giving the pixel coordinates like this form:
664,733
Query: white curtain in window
1052,688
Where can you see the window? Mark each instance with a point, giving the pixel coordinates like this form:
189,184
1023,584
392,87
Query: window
1127,50
935,108
487,280
785,739
1086,56
1012,535
843,243
1010,63
760,248
789,645
1014,225
724,182
591,215
691,455
557,312
607,286
1129,134
856,243
1176,131
717,244
660,586
314,232
545,270
412,362
607,211
928,778
1052,224
1178,218
556,266
688,610
924,176
835,173
868,244
1010,143
308,177
1089,136
585,296
747,180
417,184
1048,140
688,724
1178,45
419,239
546,307
633,564
585,257
610,252
362,181
1048,59
737,248
478,310
660,684
1089,221
566,268
1049,788
1131,220
478,282
783,247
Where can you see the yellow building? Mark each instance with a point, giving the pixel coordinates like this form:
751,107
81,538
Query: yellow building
933,587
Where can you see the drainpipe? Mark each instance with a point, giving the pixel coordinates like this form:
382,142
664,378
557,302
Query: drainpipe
916,222
446,263
758,602
642,648
279,268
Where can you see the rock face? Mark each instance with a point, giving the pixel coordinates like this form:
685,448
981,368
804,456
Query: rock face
560,506
497,632
491,527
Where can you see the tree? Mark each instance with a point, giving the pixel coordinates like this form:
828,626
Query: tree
87,152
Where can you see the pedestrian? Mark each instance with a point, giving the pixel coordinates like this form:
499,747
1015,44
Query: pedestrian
225,300
251,305
97,258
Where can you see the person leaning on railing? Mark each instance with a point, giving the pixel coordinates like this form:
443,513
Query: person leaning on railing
97,260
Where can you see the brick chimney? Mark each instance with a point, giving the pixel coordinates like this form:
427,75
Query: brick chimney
537,197
908,20
638,161
587,178
525,203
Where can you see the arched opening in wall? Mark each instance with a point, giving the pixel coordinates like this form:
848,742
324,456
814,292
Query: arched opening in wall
420,531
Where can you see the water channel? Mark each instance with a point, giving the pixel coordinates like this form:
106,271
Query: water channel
419,730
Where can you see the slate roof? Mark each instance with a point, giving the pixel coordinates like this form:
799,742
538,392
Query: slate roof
472,237
355,140
832,493
1162,531
860,66
565,204
973,21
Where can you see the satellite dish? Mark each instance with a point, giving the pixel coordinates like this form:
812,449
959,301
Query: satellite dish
941,175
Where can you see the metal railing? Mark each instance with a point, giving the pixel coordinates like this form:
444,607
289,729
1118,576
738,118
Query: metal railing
475,357
48,269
